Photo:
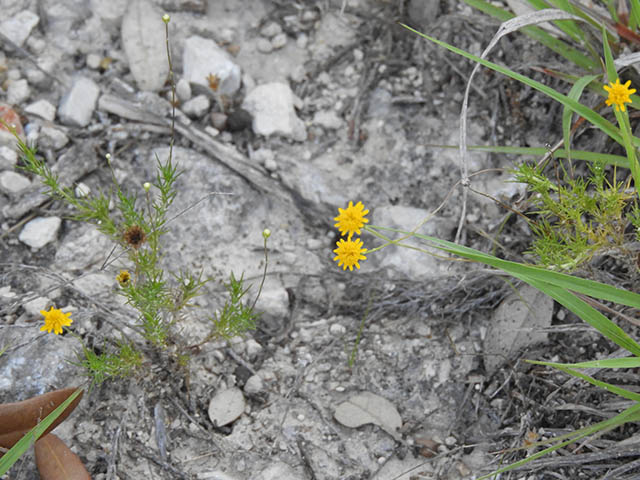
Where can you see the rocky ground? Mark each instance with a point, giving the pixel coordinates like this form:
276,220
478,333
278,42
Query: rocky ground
313,104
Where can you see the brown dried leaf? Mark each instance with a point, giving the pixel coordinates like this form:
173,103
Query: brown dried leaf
56,462
16,419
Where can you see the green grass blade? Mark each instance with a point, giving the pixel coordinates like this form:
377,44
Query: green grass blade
561,48
629,395
626,362
567,114
562,280
594,157
634,17
598,120
587,313
12,456
568,27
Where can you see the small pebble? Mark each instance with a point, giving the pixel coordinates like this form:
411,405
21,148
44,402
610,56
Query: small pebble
337,329
18,92
93,61
270,30
183,90
82,190
197,106
218,120
279,41
12,182
264,46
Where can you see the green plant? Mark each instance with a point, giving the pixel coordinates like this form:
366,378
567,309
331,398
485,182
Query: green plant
159,296
575,217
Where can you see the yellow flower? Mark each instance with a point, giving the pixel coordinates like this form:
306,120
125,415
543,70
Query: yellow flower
123,278
54,320
351,219
349,253
619,94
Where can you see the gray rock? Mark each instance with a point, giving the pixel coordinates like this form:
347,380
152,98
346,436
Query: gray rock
183,90
274,301
12,182
202,57
40,231
77,106
278,471
409,262
272,106
226,406
51,137
197,106
34,306
8,157
264,46
279,41
270,30
254,385
18,92
18,27
423,12
143,39
42,108
253,349
95,285
93,61
327,119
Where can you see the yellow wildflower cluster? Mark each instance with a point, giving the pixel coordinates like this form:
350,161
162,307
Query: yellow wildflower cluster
619,94
350,221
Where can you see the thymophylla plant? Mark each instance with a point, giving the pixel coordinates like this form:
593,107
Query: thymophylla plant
136,226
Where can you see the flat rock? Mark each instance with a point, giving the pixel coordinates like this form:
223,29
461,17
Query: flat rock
272,106
226,406
12,182
19,27
51,137
41,108
18,92
76,107
197,106
516,324
203,57
143,39
40,231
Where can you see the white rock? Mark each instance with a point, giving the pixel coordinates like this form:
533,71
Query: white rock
42,108
76,107
226,406
270,30
95,284
12,182
271,164
8,157
264,46
279,41
51,137
253,349
144,44
327,119
274,301
197,106
18,92
18,27
263,155
40,231
278,471
34,306
82,190
93,61
272,108
337,329
203,57
183,90
254,385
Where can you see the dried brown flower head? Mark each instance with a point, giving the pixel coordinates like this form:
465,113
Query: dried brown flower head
214,81
134,236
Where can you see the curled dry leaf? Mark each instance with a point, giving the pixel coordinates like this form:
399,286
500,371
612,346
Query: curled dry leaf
16,419
55,461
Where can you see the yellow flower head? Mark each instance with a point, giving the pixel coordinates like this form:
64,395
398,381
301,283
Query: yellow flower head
349,253
123,278
54,320
351,219
619,94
